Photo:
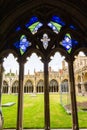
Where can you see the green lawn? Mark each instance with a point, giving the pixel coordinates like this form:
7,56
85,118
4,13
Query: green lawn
33,116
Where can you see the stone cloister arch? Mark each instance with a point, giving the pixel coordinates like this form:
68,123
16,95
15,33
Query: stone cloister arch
82,86
28,87
5,87
40,86
64,86
53,86
43,27
15,87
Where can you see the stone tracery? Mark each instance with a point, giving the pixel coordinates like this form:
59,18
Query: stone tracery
8,37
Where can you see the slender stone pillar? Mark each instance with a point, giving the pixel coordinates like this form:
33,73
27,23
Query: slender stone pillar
46,97
73,96
20,95
1,80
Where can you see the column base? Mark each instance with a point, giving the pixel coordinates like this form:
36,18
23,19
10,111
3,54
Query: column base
75,128
47,128
19,128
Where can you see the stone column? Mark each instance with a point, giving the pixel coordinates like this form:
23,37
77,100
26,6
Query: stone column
46,96
73,96
20,95
1,80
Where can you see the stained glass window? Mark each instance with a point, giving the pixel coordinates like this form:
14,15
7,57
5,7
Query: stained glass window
45,41
56,23
68,43
18,28
33,25
72,27
22,44
58,20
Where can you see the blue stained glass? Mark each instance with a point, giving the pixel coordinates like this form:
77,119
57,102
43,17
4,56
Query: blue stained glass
72,27
23,44
18,28
33,25
32,20
68,43
55,26
58,20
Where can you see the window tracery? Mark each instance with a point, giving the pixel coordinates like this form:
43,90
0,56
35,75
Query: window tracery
56,23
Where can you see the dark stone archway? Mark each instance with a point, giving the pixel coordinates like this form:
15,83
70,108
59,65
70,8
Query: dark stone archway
5,87
40,86
71,29
64,86
15,87
28,87
54,87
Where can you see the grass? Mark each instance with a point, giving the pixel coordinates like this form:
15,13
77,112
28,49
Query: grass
33,112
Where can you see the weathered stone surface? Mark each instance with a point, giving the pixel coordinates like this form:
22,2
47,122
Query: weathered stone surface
1,120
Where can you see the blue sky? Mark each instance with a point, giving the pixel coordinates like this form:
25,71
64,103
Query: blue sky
32,64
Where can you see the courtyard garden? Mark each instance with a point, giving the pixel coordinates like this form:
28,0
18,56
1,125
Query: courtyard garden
33,111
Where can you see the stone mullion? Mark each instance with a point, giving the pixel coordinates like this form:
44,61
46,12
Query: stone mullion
1,80
73,96
46,97
20,96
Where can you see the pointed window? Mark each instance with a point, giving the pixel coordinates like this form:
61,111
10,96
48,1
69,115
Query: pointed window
23,44
33,25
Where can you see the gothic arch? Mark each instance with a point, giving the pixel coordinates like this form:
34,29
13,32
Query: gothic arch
69,38
5,87
53,86
15,86
40,86
28,87
64,86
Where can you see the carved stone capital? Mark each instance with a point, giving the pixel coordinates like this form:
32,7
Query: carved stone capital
22,60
